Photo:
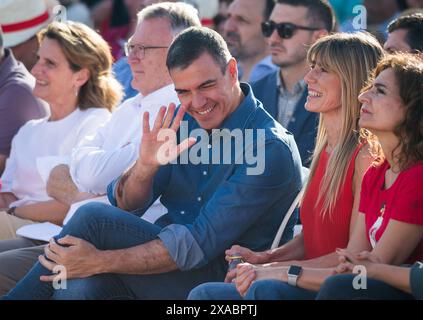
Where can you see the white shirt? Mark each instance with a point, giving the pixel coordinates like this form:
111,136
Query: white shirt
102,158
39,146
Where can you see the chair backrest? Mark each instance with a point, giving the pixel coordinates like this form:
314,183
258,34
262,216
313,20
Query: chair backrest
285,220
304,177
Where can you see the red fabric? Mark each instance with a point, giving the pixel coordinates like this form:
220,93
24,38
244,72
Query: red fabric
115,37
322,235
27,24
403,201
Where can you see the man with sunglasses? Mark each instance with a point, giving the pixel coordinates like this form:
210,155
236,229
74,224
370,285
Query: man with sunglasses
293,26
242,33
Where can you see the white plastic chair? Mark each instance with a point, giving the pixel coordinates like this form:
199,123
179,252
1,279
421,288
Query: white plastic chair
285,220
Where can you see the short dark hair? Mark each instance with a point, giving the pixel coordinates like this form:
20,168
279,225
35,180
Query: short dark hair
191,43
320,12
268,8
413,23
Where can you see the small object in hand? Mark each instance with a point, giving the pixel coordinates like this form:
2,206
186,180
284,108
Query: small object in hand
234,260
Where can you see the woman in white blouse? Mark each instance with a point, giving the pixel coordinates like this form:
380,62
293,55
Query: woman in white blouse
73,74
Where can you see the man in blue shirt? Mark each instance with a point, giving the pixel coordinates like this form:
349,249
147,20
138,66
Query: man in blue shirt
109,252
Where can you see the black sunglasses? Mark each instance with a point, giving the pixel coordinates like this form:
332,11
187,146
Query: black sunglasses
285,30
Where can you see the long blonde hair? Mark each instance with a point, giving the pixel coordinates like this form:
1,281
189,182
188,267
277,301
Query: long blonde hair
85,48
351,57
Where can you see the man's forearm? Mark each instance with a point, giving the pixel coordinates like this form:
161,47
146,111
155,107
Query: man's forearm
47,211
134,187
149,258
60,185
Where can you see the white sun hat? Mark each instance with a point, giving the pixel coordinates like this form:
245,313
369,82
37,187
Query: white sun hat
20,20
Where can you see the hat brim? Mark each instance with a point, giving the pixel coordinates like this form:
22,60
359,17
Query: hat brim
11,39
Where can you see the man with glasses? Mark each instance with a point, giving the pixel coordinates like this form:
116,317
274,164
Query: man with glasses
292,28
242,33
102,158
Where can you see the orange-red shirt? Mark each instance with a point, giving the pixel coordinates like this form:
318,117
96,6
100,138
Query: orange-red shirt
403,201
323,234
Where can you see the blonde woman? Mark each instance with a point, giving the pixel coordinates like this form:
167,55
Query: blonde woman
330,205
73,74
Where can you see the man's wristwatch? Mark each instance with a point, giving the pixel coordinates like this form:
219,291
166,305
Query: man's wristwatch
293,274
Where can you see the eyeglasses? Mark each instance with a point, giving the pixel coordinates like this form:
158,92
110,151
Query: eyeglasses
285,30
138,50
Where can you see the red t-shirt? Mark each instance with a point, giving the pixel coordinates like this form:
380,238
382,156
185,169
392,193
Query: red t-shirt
403,201
323,234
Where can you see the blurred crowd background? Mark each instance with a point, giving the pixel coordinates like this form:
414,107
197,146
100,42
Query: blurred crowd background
116,19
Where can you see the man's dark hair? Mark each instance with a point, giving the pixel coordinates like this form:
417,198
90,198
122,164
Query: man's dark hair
192,43
320,12
413,23
268,8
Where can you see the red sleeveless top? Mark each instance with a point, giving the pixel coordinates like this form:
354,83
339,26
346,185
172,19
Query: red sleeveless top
322,235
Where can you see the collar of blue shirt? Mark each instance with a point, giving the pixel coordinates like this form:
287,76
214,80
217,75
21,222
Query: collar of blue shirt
239,118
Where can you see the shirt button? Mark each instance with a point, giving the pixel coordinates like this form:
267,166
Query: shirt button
182,212
199,199
209,146
204,173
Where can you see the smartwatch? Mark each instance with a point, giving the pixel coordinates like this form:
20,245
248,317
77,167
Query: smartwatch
293,274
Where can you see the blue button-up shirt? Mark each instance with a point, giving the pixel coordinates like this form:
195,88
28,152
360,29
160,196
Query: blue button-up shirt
123,74
213,206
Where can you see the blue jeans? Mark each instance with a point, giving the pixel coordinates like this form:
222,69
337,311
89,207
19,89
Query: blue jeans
270,289
110,228
340,287
215,291
259,290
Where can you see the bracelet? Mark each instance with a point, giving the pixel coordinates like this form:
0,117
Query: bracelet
11,211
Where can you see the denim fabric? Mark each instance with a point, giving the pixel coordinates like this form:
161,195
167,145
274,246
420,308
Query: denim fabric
107,227
205,201
277,290
210,207
340,287
215,291
416,280
259,290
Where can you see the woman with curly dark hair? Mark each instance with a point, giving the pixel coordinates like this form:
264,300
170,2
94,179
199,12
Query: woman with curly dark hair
392,191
